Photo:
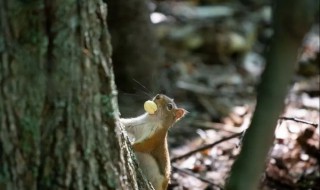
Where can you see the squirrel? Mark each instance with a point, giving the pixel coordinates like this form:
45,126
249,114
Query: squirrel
149,133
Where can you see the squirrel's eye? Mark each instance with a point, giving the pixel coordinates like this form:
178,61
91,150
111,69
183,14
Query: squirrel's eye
169,106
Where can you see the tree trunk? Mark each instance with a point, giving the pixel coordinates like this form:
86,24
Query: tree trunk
136,50
58,107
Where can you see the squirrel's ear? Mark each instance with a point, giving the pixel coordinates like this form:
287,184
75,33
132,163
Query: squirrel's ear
180,112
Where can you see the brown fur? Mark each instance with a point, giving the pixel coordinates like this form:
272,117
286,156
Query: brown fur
157,147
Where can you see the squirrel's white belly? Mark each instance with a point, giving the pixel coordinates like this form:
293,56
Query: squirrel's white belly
150,168
140,128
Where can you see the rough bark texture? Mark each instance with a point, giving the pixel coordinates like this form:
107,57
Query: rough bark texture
58,107
136,50
291,21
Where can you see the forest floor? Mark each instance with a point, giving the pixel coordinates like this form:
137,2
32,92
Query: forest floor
293,161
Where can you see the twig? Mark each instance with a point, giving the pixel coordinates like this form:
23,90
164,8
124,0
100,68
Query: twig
241,138
205,147
300,121
196,176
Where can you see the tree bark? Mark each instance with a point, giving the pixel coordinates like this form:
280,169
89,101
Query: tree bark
59,124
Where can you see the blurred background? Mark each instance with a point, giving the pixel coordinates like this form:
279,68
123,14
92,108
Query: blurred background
209,55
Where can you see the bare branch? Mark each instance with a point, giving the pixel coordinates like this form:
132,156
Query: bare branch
299,121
